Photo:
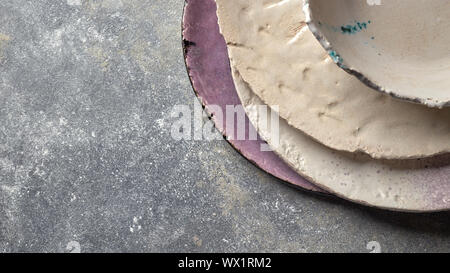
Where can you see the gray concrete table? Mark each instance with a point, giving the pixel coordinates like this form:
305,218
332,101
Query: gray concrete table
87,161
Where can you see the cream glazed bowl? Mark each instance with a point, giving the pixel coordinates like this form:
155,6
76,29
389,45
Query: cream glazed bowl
399,47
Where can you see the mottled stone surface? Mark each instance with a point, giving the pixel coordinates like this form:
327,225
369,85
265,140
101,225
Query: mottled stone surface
87,161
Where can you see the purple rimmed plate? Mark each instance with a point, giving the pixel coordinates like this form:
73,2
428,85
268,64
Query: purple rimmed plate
210,73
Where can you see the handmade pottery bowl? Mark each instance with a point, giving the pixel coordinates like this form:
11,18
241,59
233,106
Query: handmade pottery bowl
400,47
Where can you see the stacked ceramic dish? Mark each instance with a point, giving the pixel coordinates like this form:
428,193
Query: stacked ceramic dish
387,149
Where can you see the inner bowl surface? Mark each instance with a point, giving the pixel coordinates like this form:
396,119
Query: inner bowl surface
401,47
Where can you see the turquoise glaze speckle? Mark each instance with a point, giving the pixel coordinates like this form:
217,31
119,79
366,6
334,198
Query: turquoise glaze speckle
350,29
336,58
355,28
